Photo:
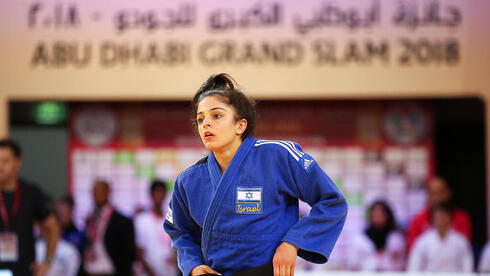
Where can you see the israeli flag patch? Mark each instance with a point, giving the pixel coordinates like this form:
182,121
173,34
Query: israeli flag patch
249,201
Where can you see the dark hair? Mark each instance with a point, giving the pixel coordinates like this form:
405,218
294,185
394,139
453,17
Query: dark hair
104,182
12,145
446,207
379,236
224,85
157,184
67,199
390,218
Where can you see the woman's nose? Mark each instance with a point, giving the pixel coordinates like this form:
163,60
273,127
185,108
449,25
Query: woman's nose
206,122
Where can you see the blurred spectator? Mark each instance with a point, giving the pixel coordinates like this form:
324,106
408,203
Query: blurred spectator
66,261
138,210
70,233
382,246
441,249
21,204
154,250
484,265
438,192
110,248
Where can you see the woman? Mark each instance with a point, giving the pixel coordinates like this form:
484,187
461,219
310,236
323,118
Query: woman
441,249
381,247
237,208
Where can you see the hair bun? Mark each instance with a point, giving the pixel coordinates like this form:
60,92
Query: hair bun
225,87
218,82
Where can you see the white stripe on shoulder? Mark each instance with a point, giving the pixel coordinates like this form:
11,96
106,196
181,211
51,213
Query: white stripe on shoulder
287,147
294,148
280,144
287,143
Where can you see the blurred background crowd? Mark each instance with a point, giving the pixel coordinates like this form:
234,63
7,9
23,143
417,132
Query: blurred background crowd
110,240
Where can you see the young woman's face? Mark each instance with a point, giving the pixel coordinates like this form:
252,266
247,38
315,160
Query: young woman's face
216,123
441,220
379,218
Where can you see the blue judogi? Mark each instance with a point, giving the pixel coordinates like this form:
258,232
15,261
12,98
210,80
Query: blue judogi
235,221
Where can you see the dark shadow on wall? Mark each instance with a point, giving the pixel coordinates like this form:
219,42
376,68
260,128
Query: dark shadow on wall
460,151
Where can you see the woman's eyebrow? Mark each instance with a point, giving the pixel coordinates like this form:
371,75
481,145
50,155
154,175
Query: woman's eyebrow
214,108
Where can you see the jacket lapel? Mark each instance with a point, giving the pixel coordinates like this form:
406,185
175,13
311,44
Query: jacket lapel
222,185
214,170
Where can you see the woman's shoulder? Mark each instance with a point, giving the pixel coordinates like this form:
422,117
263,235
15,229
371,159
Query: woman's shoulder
287,151
395,239
458,237
361,241
396,234
429,235
196,168
280,147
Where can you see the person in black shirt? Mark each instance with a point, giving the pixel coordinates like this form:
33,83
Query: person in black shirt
110,247
21,205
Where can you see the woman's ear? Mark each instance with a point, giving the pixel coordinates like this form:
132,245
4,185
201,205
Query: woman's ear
241,126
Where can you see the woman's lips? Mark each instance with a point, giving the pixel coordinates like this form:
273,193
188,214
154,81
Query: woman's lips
208,135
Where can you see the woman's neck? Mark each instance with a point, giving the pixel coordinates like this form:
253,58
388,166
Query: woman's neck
225,156
157,209
9,185
443,232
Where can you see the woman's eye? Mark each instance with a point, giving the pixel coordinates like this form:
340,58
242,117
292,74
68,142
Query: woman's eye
217,116
200,120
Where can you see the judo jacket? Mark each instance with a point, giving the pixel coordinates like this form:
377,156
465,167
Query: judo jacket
235,221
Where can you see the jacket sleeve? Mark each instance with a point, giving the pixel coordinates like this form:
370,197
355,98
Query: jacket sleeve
184,231
316,234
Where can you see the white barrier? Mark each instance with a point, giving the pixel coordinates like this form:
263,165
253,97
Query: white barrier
5,272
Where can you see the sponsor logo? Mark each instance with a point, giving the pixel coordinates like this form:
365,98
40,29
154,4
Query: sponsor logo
307,163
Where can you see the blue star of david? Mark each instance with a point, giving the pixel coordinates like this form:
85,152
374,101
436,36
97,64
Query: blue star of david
249,195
